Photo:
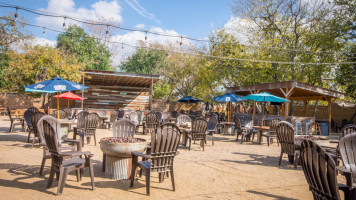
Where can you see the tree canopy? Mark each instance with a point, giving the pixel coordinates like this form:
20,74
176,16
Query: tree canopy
87,50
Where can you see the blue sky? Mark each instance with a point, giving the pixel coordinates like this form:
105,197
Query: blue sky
192,18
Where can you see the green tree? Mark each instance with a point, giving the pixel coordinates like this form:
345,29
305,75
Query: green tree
39,63
86,48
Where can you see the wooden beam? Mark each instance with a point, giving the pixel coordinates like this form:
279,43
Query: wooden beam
254,113
286,107
329,113
291,91
285,95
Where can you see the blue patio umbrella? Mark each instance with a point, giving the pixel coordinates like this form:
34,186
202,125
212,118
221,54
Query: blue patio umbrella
55,85
189,99
207,105
265,97
228,97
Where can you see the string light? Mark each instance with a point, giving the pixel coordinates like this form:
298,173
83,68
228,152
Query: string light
64,22
44,31
107,30
16,15
146,36
194,54
181,42
49,14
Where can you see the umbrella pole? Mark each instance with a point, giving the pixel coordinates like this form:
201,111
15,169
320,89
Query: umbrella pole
58,105
68,103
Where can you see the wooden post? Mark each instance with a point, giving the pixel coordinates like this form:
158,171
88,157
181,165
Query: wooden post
286,105
254,113
151,95
83,95
305,107
329,113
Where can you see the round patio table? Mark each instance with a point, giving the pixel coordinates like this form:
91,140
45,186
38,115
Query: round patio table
260,129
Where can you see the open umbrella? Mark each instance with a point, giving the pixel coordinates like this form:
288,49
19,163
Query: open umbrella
189,99
228,97
265,97
69,96
53,85
207,105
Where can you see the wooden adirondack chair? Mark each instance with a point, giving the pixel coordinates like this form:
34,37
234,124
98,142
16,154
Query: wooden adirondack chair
164,144
62,114
152,122
90,125
285,135
121,128
183,118
320,171
113,118
27,115
63,162
198,132
272,131
211,129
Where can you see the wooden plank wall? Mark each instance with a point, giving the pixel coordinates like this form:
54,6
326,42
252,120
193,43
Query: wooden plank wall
115,97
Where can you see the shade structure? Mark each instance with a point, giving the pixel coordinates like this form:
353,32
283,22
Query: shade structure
264,97
189,99
53,85
68,95
228,97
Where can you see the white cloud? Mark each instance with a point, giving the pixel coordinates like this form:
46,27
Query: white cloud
134,4
133,38
101,9
238,27
140,26
43,42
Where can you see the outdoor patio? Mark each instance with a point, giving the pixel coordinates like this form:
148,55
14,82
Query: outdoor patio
229,170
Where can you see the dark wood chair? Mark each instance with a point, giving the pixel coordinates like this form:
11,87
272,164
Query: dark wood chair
80,122
139,116
91,124
221,117
32,108
62,114
320,171
285,136
38,118
152,122
182,112
183,118
199,113
121,128
64,162
199,127
192,114
271,134
211,129
244,132
174,115
15,121
113,118
166,116
347,149
74,116
68,112
347,129
164,144
27,115
35,118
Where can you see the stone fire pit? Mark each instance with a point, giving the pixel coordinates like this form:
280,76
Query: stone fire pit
118,155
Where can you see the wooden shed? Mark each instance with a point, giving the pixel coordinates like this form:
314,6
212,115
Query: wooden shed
291,90
113,90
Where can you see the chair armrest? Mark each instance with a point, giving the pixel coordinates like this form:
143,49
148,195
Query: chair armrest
348,175
72,148
135,153
76,153
78,143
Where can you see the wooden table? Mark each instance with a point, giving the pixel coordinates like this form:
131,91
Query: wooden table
103,118
260,129
227,127
330,148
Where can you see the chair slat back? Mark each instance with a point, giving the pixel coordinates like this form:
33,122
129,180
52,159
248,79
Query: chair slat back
113,116
319,170
32,108
213,121
183,118
347,148
134,117
62,114
165,116
124,128
27,115
81,119
121,114
350,128
40,128
152,120
285,136
199,127
68,112
139,115
238,124
35,118
164,144
273,125
159,114
91,123
199,113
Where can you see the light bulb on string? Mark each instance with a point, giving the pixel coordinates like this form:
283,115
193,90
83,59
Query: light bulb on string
107,30
16,15
146,36
122,45
181,42
44,31
64,22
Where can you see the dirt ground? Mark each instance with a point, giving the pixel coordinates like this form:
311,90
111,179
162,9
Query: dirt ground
227,170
